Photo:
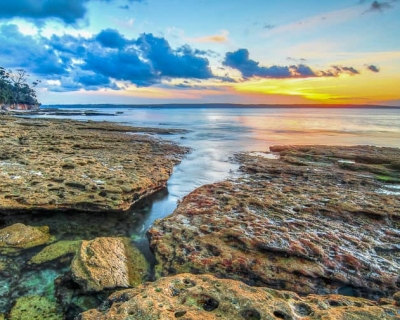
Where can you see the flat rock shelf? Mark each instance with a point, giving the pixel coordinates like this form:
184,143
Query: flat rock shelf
316,219
89,166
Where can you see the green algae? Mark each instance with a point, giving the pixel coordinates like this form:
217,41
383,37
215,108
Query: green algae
387,179
56,251
35,307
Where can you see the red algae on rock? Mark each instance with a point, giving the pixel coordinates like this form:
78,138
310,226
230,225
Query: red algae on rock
304,222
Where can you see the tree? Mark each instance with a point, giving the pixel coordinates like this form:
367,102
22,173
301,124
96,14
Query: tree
14,88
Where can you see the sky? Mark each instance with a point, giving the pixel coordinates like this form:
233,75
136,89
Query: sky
205,51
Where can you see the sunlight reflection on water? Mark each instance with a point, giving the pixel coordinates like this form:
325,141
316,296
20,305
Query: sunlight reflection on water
216,134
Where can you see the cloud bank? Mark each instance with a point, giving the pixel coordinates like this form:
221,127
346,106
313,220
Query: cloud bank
109,60
68,11
74,63
241,61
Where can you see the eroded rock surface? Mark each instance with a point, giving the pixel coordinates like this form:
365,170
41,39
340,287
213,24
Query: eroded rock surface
108,263
19,236
190,296
92,166
317,220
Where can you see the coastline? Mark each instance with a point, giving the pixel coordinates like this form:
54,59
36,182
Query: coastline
220,199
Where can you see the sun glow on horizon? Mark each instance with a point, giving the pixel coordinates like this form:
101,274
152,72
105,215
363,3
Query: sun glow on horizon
333,90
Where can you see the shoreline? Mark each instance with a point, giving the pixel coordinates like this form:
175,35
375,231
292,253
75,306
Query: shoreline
263,191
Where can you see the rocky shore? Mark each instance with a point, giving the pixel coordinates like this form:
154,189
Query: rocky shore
188,296
89,166
317,220
305,232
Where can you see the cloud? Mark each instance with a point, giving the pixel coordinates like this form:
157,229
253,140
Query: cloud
74,62
380,6
124,65
373,68
218,38
240,60
268,26
68,11
249,68
336,71
21,51
111,38
296,59
82,80
180,63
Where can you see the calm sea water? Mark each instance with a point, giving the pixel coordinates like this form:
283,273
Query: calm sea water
215,135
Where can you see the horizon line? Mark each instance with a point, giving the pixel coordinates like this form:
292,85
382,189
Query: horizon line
226,105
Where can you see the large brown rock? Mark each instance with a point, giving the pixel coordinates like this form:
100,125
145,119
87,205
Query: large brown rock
108,263
19,236
188,296
64,164
317,220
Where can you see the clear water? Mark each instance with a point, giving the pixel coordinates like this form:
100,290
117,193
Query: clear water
215,135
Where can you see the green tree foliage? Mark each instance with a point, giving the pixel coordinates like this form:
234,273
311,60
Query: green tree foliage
14,88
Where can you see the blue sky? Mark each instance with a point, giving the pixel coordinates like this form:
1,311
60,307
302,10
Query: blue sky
158,51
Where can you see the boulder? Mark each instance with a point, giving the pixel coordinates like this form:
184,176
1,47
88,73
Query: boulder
108,263
205,297
306,222
19,236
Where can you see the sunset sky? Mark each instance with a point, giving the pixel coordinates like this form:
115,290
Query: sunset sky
204,51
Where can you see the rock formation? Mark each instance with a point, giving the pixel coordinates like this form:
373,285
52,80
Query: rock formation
205,297
108,263
318,220
19,236
64,164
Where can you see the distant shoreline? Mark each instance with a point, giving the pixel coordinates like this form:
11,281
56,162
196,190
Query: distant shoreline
221,106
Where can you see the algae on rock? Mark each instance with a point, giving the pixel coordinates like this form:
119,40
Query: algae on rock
55,251
35,307
19,236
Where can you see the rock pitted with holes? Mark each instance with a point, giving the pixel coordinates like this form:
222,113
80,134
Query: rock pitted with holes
205,297
317,220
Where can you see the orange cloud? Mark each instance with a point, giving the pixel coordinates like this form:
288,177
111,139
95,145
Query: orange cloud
218,38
